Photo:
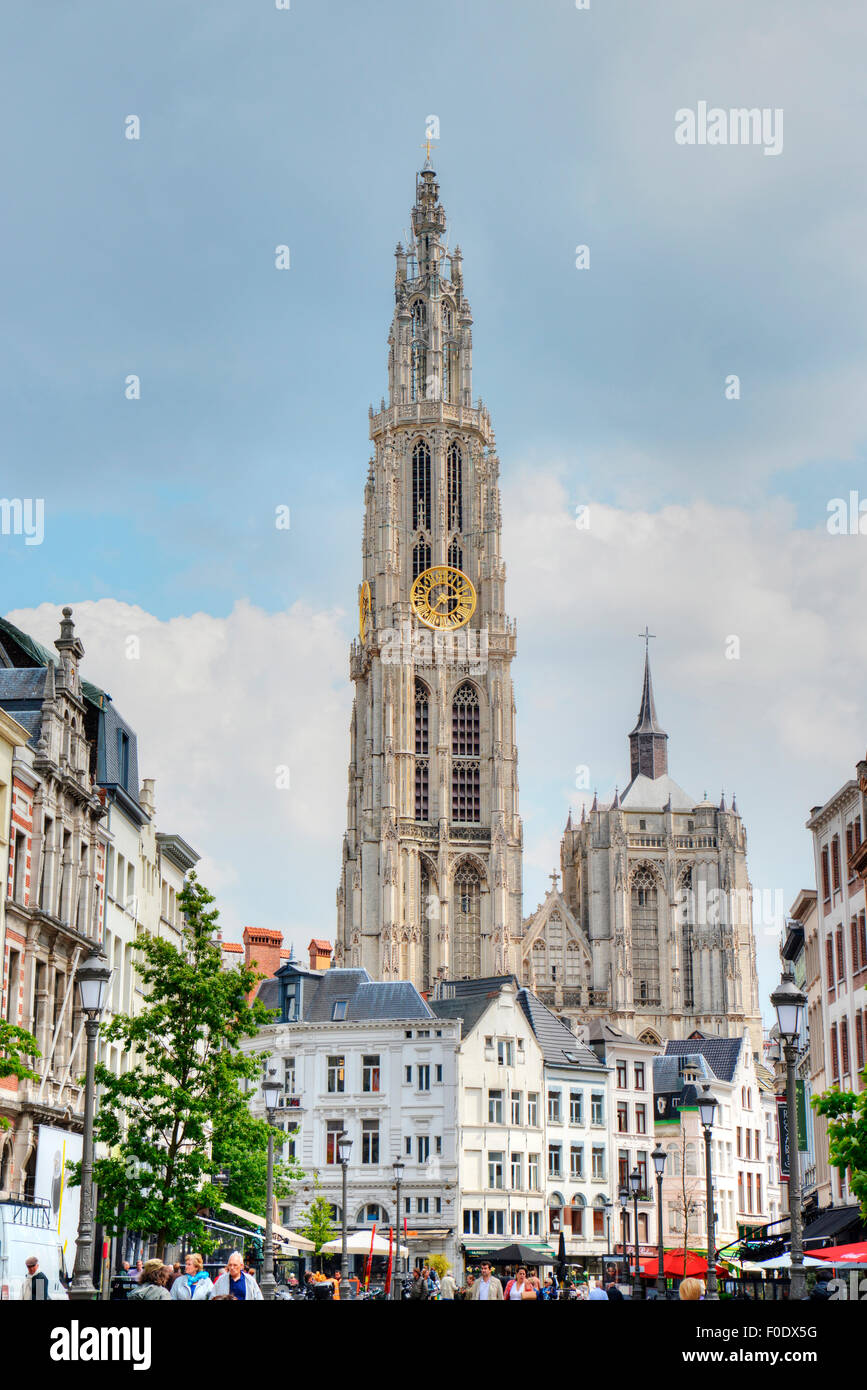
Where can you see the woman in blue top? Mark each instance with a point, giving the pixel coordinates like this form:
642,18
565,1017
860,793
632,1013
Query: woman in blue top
195,1285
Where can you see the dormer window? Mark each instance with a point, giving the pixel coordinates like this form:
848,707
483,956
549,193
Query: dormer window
338,1010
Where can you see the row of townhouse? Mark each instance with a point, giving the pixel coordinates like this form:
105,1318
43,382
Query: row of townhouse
825,947
83,865
509,1126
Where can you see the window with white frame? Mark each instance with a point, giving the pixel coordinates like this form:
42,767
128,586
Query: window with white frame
576,1107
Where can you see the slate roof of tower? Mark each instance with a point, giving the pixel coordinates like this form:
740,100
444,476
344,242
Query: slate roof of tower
647,722
721,1053
559,1045
652,794
667,1075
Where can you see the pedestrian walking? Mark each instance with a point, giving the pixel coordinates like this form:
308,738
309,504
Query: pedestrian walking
195,1285
597,1294
237,1281
487,1287
151,1287
419,1288
448,1287
35,1283
520,1289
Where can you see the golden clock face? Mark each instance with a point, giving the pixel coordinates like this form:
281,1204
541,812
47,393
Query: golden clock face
364,608
443,598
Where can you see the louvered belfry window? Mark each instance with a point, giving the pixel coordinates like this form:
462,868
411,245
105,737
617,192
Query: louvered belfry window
466,748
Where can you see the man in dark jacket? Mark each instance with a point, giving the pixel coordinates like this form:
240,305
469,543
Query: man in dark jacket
36,1283
419,1287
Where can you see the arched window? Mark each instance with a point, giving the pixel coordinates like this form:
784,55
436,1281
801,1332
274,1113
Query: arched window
645,938
691,1165
466,748
575,1214
467,924
422,763
455,470
447,317
425,924
421,492
449,355
649,1037
420,557
419,353
456,556
370,1213
685,902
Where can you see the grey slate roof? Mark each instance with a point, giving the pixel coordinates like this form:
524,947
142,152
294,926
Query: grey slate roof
469,1007
559,1045
40,656
268,993
366,999
602,1031
667,1075
21,696
721,1053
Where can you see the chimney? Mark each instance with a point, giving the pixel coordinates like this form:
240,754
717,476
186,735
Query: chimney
320,954
262,949
146,797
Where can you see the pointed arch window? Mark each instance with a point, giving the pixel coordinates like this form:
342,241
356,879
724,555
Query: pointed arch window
467,924
466,748
456,555
419,353
421,486
455,487
425,925
687,942
645,938
420,557
422,762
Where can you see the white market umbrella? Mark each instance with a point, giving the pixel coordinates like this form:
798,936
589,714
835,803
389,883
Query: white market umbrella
358,1243
784,1261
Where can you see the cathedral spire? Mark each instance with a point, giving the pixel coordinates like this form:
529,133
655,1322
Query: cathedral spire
648,752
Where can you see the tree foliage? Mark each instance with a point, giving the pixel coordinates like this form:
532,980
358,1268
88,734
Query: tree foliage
318,1223
846,1113
182,1092
16,1044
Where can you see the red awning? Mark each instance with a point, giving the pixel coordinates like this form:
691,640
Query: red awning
843,1254
674,1266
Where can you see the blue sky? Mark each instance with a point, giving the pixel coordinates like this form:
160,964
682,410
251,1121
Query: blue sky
262,127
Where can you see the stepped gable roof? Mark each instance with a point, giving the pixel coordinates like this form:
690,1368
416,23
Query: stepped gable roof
559,1045
722,1054
653,793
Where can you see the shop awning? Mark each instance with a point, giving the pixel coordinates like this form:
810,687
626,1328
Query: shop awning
844,1254
287,1237
835,1222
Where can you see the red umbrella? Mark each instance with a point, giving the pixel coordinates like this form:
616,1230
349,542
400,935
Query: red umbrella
676,1267
844,1254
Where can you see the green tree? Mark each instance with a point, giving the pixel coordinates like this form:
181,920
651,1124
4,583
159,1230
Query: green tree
439,1263
846,1113
318,1222
183,1086
16,1044
240,1150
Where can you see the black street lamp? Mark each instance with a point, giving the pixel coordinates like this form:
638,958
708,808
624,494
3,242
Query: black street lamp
635,1188
344,1149
623,1195
789,1002
659,1156
272,1090
91,979
706,1111
607,1204
398,1167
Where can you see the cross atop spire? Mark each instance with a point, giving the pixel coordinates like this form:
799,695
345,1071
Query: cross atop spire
647,635
555,881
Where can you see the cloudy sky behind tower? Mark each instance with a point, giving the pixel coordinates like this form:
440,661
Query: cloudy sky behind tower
708,516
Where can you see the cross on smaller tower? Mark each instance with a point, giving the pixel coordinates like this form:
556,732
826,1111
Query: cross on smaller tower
426,147
554,879
647,635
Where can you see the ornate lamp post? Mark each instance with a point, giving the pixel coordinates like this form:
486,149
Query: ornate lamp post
344,1149
789,1002
398,1174
272,1090
659,1156
707,1110
623,1195
607,1204
635,1188
91,979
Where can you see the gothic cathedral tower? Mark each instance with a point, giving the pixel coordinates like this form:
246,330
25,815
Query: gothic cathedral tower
431,876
